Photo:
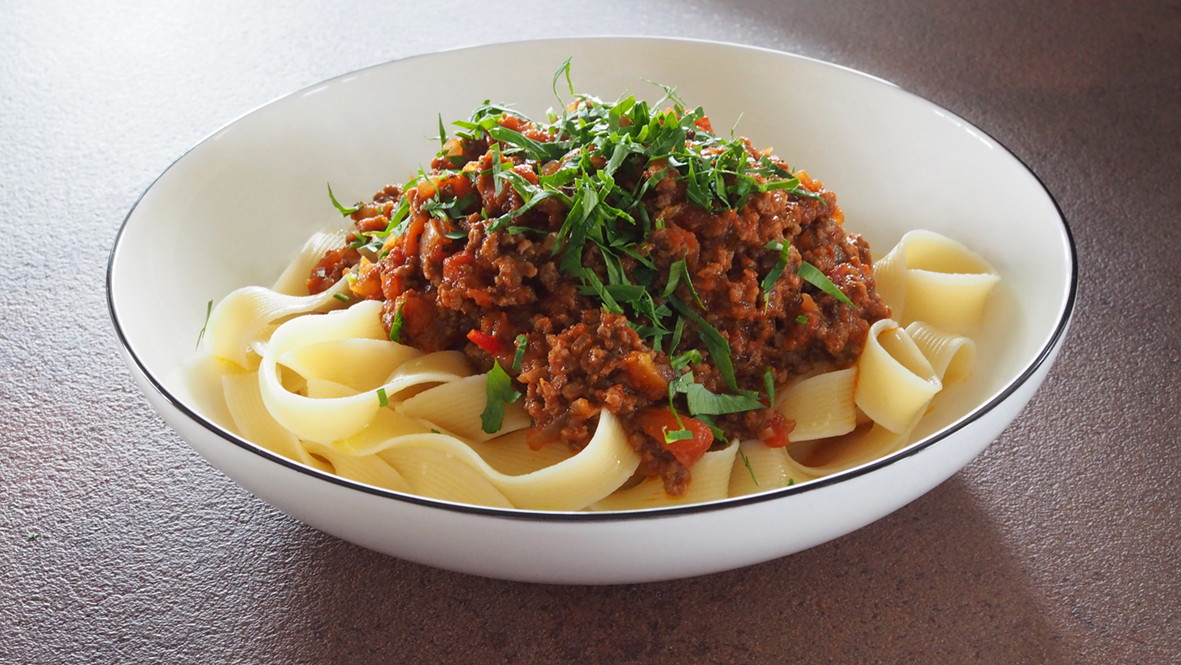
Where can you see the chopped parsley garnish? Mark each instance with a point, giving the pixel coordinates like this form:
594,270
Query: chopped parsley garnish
702,401
396,325
784,249
343,297
519,354
499,392
813,276
382,398
201,334
345,212
746,463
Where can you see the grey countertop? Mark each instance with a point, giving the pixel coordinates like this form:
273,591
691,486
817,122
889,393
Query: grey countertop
119,544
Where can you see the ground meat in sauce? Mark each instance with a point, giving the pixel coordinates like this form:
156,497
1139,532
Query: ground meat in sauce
446,276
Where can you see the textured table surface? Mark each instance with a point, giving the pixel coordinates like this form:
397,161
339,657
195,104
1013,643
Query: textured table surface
118,544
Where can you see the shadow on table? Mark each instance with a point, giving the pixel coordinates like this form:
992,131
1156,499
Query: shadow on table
933,582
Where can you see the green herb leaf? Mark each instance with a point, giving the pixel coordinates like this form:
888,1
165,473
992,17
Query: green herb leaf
815,277
343,297
715,342
382,399
519,355
396,325
542,152
784,249
719,435
399,219
564,68
702,401
746,463
677,272
499,392
345,212
201,334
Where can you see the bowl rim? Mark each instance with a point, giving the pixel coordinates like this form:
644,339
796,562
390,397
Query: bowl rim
1044,354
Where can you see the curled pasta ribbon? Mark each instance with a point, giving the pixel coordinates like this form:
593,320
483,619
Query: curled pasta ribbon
294,279
455,407
852,450
442,466
930,277
333,408
951,356
758,468
895,380
821,406
248,316
711,482
831,434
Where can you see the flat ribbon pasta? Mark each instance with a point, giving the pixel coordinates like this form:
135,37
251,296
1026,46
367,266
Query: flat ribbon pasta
294,280
327,419
759,468
249,315
930,277
711,482
600,468
895,380
821,406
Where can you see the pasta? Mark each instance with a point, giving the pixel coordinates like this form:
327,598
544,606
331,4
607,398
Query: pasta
684,312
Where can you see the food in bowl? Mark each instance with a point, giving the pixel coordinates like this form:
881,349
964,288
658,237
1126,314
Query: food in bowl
614,308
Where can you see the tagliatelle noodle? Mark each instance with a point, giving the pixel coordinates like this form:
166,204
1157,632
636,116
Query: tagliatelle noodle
511,454
352,431
821,406
895,382
367,469
942,282
249,315
851,450
455,407
322,420
711,482
951,356
254,422
294,280
759,468
597,470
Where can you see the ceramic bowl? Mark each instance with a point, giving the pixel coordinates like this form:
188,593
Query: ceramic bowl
232,210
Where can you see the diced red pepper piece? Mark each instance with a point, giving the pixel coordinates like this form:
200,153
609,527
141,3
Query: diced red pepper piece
495,346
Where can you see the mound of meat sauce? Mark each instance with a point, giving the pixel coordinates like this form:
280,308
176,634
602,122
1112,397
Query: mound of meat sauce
453,281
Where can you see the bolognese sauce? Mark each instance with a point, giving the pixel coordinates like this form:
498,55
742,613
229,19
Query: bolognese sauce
619,256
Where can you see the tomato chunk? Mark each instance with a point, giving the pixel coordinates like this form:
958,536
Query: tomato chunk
657,422
780,427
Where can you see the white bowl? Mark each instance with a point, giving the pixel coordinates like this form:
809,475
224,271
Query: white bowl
232,210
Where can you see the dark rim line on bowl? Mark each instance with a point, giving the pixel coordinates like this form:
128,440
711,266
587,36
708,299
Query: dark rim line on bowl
650,513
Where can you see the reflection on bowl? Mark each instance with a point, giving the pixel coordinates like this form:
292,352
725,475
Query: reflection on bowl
230,212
